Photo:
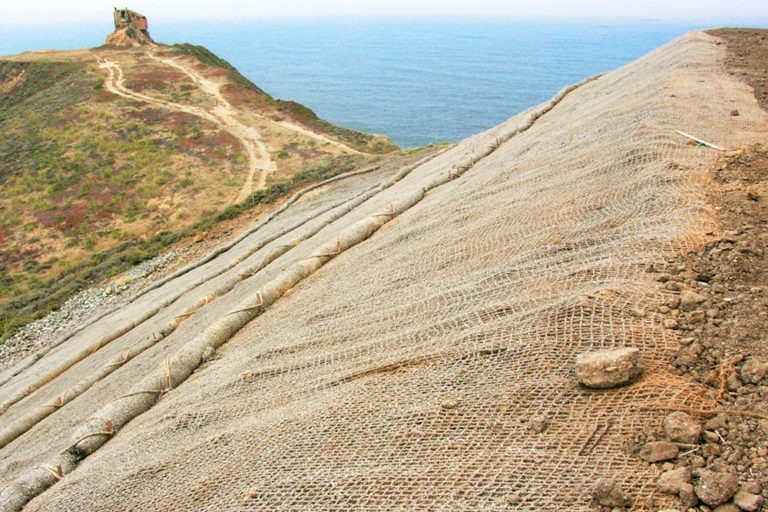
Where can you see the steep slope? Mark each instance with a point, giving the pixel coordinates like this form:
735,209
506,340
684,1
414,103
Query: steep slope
108,155
405,339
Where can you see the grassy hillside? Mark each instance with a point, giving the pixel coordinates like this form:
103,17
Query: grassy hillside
296,112
92,182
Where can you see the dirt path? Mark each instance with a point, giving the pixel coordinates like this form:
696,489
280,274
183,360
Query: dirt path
226,109
260,164
223,114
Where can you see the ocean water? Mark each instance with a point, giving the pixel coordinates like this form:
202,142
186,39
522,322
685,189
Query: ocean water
416,81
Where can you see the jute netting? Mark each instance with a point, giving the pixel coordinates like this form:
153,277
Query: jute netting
396,351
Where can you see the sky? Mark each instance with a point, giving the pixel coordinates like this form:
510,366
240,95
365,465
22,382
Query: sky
710,12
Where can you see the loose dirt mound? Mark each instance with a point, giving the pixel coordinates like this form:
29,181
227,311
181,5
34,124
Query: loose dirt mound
724,344
421,355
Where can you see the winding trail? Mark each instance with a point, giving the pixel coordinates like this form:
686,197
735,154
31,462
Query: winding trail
259,161
223,114
226,109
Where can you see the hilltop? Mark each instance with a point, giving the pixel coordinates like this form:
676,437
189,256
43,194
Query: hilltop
405,336
112,154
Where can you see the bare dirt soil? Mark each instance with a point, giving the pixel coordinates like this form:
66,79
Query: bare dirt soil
747,57
726,335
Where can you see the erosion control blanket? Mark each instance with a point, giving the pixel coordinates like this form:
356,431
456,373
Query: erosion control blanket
408,342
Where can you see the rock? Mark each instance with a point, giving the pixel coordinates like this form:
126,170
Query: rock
538,423
673,286
711,450
670,323
449,404
130,30
754,371
716,423
671,482
732,382
689,355
697,461
711,437
688,496
659,451
713,313
690,300
681,428
753,487
747,501
608,494
715,487
608,368
728,507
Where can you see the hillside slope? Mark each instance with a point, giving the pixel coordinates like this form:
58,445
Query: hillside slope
404,339
110,154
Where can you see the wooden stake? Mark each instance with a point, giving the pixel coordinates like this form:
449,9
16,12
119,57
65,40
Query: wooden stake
702,142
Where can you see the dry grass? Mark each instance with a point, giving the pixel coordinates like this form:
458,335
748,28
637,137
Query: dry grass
91,177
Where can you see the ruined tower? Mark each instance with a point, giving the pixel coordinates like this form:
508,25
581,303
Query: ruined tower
131,29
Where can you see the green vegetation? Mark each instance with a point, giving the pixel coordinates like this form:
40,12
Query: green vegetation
33,298
315,171
358,140
413,151
36,79
55,156
84,174
33,141
206,56
74,162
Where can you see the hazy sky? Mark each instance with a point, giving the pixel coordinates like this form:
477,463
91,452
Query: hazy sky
745,12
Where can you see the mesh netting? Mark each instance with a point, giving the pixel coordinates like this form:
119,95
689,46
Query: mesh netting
421,326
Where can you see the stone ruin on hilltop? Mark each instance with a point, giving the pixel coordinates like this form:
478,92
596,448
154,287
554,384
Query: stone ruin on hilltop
131,29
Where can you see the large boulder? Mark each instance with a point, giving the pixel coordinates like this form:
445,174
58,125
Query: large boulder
131,30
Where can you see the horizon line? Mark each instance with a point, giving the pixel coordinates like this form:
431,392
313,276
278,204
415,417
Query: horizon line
175,20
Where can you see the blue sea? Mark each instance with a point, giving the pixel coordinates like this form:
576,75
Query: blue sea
417,81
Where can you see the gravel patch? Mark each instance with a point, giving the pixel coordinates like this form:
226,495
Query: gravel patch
81,308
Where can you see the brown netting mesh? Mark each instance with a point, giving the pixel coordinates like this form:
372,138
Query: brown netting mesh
424,327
